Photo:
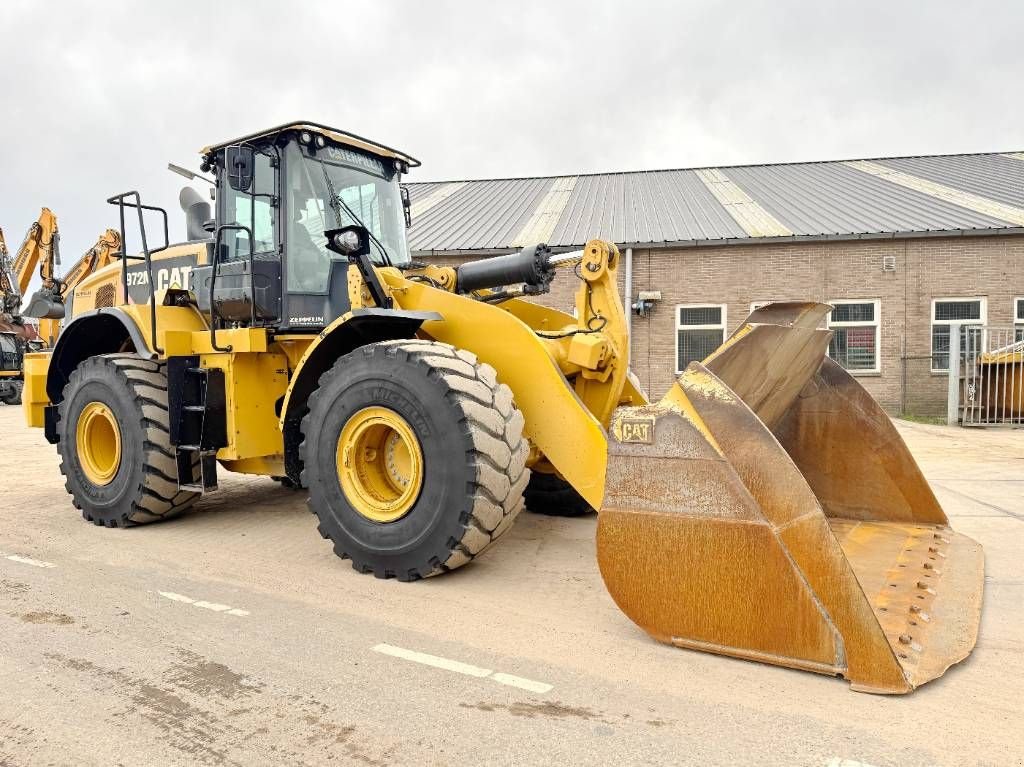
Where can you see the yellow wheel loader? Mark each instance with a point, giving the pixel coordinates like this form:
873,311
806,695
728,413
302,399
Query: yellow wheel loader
764,508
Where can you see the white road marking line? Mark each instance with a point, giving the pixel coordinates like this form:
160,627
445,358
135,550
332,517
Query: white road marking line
176,597
521,683
214,606
29,561
432,660
835,761
463,668
217,608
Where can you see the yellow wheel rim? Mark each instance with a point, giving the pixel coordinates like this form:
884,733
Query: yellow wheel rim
98,441
380,464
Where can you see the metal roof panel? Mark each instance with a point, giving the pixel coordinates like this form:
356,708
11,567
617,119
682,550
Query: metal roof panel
820,199
995,176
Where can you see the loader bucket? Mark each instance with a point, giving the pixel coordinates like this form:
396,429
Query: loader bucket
767,509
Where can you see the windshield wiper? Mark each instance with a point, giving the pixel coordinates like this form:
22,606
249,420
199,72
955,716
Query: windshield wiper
337,204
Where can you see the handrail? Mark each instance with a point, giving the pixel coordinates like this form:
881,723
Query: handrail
119,200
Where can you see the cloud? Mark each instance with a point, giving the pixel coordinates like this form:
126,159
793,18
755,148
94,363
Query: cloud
97,98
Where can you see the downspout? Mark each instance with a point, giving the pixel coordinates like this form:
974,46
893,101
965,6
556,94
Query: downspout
628,298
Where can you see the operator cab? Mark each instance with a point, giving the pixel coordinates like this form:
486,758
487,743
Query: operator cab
278,193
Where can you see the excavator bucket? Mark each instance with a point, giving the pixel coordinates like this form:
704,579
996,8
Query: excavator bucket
766,508
43,305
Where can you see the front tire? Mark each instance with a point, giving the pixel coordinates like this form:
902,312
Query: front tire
414,458
114,442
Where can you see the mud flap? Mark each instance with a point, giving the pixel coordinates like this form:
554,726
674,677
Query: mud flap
767,509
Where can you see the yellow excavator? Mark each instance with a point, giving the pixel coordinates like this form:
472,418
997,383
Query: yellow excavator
764,508
48,303
40,248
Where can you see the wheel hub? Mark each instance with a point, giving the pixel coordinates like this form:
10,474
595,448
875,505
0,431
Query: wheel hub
98,443
380,464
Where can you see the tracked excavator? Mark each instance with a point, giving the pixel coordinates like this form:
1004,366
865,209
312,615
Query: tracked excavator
764,508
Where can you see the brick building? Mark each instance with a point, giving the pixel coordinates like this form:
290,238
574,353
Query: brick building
899,246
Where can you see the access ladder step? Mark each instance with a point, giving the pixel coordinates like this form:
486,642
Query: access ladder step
185,456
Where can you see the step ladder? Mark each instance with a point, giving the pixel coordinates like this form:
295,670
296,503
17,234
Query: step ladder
198,421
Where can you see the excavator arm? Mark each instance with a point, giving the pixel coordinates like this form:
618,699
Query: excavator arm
40,248
47,303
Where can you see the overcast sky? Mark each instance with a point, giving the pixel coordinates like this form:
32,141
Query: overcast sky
96,98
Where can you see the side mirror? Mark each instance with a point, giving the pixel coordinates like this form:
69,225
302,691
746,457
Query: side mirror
239,162
406,205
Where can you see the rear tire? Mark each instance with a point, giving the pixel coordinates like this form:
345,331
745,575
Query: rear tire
469,469
552,496
126,396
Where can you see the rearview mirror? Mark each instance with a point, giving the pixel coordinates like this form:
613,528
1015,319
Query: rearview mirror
239,162
406,205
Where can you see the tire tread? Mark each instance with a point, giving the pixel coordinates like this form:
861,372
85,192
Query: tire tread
156,497
499,450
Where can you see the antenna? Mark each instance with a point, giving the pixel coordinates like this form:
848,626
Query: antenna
188,174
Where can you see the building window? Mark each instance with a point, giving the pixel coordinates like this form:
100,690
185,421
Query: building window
855,334
1018,319
700,329
945,311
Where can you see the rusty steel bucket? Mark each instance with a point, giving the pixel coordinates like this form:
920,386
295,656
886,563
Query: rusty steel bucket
767,509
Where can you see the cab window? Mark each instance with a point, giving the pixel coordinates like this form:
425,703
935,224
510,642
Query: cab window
254,209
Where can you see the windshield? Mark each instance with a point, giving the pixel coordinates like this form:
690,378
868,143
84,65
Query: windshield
363,186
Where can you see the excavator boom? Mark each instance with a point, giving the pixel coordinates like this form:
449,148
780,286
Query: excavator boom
41,248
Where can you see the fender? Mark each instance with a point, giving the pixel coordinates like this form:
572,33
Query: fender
558,423
99,331
347,333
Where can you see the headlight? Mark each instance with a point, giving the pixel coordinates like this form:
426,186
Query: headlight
347,242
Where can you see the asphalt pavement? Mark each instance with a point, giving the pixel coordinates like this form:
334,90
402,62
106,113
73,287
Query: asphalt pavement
234,636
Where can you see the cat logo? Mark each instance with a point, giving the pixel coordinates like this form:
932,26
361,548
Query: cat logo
639,430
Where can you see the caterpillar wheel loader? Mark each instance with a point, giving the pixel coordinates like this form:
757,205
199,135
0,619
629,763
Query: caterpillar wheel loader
764,508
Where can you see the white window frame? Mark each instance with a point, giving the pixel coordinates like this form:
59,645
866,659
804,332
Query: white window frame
678,326
1018,321
876,324
945,299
